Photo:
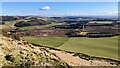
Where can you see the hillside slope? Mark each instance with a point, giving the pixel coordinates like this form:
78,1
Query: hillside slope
21,53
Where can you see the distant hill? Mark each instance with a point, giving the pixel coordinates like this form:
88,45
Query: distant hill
32,22
10,18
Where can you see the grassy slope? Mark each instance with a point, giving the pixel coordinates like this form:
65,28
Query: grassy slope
7,25
50,41
102,47
10,24
23,53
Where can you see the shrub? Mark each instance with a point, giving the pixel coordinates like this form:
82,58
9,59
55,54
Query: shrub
5,33
2,23
9,58
16,37
21,24
71,34
21,52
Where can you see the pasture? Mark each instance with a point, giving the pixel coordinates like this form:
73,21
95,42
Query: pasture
100,47
49,41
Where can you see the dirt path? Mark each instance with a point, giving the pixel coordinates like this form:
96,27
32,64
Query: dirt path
76,61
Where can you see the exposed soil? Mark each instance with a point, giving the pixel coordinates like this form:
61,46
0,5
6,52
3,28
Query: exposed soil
76,61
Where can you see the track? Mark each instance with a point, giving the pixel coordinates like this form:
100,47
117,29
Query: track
76,61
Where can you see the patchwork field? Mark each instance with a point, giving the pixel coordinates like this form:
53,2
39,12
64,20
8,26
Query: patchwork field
101,47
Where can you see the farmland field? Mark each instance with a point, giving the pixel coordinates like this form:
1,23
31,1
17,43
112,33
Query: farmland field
101,47
49,41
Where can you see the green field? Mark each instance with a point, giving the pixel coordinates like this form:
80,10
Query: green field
101,47
9,24
49,41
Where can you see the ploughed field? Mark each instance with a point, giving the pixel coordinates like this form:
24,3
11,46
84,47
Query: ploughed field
99,47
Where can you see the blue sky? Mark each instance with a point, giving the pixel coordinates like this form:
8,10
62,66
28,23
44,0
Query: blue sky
60,8
60,0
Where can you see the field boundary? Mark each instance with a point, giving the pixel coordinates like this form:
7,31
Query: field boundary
64,42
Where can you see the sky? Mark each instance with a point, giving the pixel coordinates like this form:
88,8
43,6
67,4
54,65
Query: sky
60,8
60,0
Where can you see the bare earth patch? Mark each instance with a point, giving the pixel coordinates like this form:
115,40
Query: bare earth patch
76,61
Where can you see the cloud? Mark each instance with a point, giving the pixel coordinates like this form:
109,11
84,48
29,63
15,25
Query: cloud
45,8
